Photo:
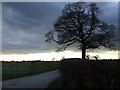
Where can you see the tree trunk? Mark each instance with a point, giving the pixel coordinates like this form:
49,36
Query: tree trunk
83,51
83,42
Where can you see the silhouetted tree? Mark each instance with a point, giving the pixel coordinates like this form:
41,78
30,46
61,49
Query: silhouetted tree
79,24
88,57
96,57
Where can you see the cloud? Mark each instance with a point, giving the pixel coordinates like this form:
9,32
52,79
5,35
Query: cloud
25,24
27,15
110,12
1,26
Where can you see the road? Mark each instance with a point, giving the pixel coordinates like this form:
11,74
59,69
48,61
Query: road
36,81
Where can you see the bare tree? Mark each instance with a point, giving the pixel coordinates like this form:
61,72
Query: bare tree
80,24
88,57
96,57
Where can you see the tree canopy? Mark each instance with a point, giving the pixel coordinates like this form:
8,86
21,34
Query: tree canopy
80,24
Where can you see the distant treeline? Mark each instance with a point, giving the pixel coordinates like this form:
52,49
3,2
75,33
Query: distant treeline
29,61
57,61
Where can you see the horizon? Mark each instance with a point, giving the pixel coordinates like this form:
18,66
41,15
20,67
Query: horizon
57,56
26,23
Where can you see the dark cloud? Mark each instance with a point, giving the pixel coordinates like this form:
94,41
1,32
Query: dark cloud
25,23
27,15
110,15
109,12
34,10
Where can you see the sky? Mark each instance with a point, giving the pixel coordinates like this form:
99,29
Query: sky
24,25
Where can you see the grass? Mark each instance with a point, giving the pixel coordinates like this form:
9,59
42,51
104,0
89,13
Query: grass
12,70
57,83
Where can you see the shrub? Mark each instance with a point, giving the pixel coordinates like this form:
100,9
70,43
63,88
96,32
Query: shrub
79,73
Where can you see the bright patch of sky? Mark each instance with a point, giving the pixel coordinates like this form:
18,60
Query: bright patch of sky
56,56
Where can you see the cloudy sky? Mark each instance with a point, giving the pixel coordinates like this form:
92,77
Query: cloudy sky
24,24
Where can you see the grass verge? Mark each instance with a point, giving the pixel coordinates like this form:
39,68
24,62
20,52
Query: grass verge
57,83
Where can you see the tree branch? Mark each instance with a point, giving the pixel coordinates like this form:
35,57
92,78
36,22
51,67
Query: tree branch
64,48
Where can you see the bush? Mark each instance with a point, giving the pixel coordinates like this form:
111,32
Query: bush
79,73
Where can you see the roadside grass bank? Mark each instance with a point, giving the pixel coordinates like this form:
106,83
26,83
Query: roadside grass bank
12,70
57,83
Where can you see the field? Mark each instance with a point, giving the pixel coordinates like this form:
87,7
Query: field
19,69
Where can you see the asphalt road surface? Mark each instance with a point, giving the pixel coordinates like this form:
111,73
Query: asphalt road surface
36,81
